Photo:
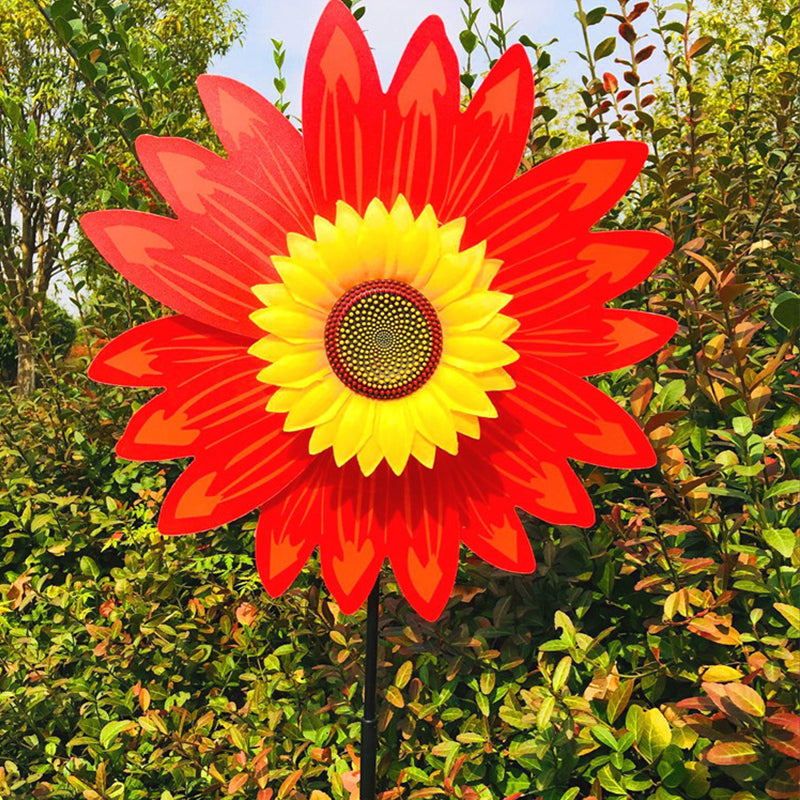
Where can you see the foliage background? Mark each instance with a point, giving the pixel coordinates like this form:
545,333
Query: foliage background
654,656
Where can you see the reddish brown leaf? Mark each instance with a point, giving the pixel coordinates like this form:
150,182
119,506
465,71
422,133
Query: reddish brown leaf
237,782
785,786
729,754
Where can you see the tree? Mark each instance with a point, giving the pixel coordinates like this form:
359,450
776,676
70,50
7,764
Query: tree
78,83
40,147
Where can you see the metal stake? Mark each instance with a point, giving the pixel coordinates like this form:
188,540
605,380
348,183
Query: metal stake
369,722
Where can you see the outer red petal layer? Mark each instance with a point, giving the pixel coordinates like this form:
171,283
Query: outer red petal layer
491,135
539,226
362,143
353,541
262,145
510,465
164,351
422,536
213,409
420,118
233,214
197,276
570,416
289,528
589,343
551,281
342,112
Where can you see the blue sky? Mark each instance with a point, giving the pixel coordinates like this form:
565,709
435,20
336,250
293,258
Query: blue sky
388,25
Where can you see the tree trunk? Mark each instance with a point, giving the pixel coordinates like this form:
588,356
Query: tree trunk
26,367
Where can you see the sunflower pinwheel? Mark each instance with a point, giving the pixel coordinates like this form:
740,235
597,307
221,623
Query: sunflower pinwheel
382,334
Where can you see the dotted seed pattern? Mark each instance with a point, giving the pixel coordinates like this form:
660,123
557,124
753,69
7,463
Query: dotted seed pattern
383,339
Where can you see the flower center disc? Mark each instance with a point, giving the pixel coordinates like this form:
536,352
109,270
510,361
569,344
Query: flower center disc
383,339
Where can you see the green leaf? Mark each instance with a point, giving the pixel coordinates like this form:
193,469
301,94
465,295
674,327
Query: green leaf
696,783
783,540
561,673
653,734
611,779
403,675
605,48
783,489
468,40
595,15
785,310
743,426
790,613
604,736
545,712
702,45
111,730
619,699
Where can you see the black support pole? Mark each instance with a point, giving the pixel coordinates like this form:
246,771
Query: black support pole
369,722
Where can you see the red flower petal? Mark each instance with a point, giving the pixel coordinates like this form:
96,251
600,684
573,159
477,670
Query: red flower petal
513,466
556,201
289,528
491,135
352,547
164,351
261,145
362,143
422,111
570,416
551,281
213,409
200,277
422,536
216,200
494,532
596,341
234,475
342,112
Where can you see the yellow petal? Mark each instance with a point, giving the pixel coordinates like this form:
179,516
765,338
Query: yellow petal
495,380
303,286
401,215
487,272
356,420
433,419
325,231
347,218
472,311
394,433
298,369
271,348
476,353
323,436
459,392
418,250
295,324
269,293
499,327
423,450
285,399
467,424
450,235
369,456
319,404
454,275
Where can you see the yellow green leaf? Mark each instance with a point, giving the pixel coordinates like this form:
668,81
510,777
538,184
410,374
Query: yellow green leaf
653,735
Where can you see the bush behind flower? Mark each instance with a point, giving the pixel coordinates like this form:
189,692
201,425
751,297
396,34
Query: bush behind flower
652,656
